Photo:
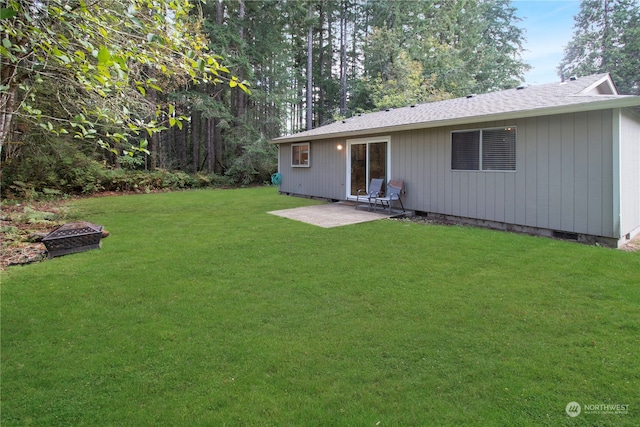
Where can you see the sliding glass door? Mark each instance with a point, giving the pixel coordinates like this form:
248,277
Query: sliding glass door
367,160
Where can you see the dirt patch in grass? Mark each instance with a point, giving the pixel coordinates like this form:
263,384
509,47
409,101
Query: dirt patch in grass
22,225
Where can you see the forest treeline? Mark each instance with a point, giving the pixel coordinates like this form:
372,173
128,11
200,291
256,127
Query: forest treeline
303,64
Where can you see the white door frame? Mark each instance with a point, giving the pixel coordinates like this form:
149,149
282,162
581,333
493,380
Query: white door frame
369,140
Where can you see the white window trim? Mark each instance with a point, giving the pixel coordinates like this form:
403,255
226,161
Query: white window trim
480,169
299,144
373,140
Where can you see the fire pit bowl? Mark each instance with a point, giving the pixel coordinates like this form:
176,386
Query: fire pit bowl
73,237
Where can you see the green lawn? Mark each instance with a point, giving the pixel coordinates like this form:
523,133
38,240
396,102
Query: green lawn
203,310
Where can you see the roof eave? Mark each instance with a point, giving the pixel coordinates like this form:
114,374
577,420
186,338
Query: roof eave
631,101
604,79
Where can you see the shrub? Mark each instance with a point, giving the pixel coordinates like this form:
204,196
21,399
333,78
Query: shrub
147,181
255,164
48,167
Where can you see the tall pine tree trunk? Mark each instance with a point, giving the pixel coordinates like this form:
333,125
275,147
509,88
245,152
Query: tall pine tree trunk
606,38
153,150
195,139
240,95
310,70
218,148
343,58
210,146
153,144
182,153
320,108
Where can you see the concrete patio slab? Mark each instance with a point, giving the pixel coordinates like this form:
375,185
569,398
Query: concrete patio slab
332,214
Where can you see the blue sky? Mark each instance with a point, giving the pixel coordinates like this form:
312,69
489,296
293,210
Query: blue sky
549,27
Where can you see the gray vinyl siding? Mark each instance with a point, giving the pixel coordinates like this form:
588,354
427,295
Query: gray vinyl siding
325,177
629,172
563,178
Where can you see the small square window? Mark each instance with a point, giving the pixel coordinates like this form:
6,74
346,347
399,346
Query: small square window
300,155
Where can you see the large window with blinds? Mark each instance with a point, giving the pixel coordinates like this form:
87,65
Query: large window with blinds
484,149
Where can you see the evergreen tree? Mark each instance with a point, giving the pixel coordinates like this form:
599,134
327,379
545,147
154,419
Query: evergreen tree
606,39
358,55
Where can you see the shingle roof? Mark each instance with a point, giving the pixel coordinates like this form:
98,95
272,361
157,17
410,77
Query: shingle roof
583,94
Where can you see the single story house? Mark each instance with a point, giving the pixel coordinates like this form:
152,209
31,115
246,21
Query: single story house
559,159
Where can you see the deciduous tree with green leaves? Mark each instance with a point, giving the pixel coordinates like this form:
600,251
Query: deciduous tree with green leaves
461,47
403,84
96,61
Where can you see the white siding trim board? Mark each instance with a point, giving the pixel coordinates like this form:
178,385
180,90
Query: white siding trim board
616,171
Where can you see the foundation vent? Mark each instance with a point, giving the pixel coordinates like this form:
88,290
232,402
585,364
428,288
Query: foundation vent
565,235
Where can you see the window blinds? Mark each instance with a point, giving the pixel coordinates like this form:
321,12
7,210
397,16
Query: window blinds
465,150
485,149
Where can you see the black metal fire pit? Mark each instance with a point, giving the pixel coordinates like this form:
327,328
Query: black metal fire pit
73,237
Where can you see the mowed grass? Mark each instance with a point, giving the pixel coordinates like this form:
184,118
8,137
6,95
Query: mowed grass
201,309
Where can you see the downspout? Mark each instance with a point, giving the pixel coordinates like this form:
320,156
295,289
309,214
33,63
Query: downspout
279,165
